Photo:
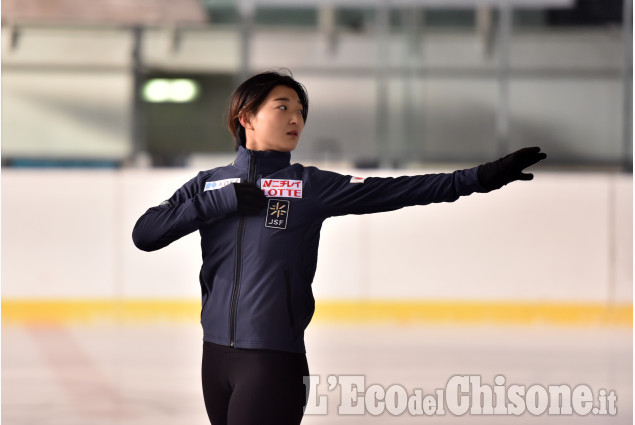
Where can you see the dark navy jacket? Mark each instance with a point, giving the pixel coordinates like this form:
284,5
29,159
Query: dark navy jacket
258,269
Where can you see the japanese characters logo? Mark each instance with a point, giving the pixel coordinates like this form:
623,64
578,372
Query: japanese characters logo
281,188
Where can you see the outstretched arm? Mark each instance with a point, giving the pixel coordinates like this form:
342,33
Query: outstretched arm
340,194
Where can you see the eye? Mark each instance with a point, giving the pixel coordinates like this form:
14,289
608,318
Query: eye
283,107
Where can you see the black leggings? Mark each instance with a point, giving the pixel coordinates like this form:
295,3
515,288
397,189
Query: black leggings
249,387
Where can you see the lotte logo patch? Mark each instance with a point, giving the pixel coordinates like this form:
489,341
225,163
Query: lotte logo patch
277,214
281,188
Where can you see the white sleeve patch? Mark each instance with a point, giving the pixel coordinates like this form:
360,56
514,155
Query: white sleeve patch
218,184
357,179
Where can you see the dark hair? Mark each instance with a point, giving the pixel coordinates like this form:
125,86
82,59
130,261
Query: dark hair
251,93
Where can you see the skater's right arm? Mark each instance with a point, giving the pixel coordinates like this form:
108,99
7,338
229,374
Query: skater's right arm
192,206
189,208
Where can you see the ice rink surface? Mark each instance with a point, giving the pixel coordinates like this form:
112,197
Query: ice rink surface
150,373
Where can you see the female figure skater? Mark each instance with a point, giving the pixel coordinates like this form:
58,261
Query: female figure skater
259,219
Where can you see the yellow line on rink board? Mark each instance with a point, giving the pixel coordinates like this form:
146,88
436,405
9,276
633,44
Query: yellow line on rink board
64,311
329,311
476,312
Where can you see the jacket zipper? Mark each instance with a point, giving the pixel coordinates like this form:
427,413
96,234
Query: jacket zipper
239,243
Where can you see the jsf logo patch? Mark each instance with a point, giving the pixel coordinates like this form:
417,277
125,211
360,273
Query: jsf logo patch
277,214
281,188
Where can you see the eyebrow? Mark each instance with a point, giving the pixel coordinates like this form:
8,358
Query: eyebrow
285,99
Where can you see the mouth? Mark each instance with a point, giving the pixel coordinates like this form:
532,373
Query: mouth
293,133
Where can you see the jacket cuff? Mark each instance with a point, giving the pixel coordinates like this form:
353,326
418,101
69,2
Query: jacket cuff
472,183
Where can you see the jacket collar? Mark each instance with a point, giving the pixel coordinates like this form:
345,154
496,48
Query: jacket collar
267,162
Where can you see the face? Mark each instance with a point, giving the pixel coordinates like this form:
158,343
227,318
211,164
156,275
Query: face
277,124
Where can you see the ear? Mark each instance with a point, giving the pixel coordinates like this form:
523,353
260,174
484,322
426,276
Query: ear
245,120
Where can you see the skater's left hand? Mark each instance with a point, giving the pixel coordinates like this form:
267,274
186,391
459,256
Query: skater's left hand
496,174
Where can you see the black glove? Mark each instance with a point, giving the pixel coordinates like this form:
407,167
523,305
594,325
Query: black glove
496,174
251,199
